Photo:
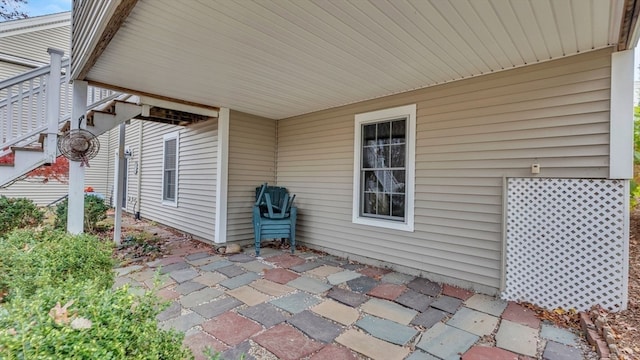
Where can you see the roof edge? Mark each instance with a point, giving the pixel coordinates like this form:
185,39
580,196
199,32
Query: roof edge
15,27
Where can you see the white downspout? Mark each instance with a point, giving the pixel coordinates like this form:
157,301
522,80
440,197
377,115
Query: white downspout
139,170
119,185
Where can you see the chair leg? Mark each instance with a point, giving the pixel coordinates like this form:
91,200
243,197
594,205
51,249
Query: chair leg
292,239
257,240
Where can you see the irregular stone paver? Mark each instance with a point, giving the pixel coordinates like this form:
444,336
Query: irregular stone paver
143,275
183,275
123,280
231,271
306,266
310,285
323,271
183,322
170,312
181,265
387,291
240,351
447,303
296,303
271,288
240,280
387,330
280,276
256,266
216,265
348,297
363,284
421,355
249,295
241,258
370,346
429,318
446,342
200,297
517,338
456,292
315,326
337,312
334,352
389,310
342,276
352,266
127,270
197,256
554,333
397,278
266,314
188,287
210,278
296,347
217,307
159,282
487,304
200,341
333,260
521,315
286,260
204,261
425,286
488,353
374,272
168,294
557,351
473,321
415,300
231,328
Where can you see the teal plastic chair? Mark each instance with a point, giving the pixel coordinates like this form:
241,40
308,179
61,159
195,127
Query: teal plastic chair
274,216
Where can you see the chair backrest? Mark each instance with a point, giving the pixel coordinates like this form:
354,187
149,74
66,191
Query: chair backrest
273,200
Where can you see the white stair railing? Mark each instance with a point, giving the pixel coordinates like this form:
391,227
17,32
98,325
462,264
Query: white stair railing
23,104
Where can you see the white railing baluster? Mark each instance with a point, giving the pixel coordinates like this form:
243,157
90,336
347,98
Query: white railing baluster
9,134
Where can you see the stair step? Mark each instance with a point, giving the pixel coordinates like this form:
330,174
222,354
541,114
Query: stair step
26,148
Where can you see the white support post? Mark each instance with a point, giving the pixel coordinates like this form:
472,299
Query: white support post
119,185
75,211
621,116
53,105
222,173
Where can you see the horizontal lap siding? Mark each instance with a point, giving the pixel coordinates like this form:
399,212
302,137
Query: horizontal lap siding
197,164
33,45
470,134
252,151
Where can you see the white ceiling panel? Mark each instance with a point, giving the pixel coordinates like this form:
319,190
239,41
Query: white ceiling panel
278,58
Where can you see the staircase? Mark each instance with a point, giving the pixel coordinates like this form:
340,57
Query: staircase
36,106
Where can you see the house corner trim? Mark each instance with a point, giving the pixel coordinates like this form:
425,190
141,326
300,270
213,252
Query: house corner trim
222,175
621,116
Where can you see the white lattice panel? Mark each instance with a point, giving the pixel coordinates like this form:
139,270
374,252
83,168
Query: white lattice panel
566,243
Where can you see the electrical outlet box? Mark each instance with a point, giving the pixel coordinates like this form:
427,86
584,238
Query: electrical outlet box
535,168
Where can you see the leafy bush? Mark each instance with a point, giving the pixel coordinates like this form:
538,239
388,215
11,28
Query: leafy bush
31,259
95,210
17,213
84,321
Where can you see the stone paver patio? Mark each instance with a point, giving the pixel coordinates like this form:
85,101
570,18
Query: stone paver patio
314,306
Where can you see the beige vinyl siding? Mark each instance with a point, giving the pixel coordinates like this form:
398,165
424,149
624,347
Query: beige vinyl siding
33,45
197,164
470,134
9,70
252,152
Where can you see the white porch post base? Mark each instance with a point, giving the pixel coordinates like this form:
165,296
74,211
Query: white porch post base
75,210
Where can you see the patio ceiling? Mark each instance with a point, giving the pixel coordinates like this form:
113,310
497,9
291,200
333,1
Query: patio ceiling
283,58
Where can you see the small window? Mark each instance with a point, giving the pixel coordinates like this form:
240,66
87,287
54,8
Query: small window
170,169
384,155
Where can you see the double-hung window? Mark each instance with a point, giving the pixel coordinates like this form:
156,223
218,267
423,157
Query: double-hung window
170,169
384,171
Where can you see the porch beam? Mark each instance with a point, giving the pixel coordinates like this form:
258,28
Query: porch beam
222,173
621,116
75,210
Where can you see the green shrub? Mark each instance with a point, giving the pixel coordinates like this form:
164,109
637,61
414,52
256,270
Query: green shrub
119,326
18,213
95,210
31,259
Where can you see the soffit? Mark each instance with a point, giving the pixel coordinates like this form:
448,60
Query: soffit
283,58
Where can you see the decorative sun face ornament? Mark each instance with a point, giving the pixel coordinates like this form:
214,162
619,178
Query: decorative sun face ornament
79,145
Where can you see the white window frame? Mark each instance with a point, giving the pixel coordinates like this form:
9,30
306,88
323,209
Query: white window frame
409,112
171,136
